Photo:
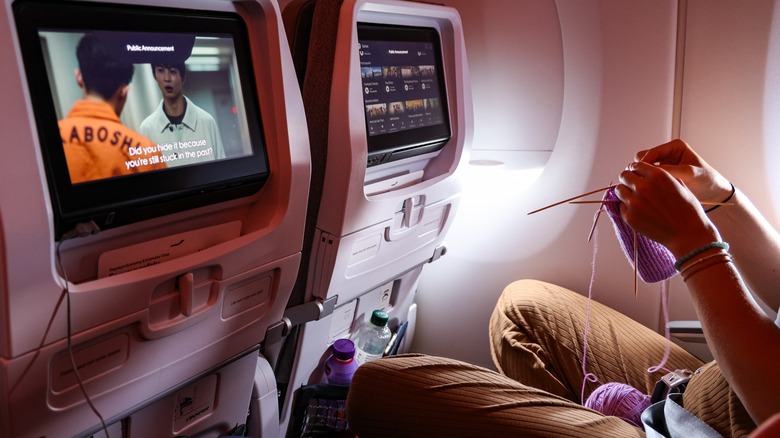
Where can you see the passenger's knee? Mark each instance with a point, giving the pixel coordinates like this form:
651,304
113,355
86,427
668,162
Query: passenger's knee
535,295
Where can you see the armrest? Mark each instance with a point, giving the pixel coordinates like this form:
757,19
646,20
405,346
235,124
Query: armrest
689,335
682,328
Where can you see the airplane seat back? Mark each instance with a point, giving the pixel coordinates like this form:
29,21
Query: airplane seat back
297,17
299,21
165,309
378,218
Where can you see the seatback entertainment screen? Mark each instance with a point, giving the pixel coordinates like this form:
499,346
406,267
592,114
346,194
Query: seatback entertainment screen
137,107
404,92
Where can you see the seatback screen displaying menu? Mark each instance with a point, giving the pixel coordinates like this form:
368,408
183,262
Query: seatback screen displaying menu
404,92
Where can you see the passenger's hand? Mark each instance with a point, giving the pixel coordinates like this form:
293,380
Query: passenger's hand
660,207
680,160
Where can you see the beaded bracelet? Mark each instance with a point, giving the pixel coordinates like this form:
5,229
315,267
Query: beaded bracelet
728,198
722,245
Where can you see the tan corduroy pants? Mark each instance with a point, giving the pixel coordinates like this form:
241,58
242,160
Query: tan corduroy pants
536,335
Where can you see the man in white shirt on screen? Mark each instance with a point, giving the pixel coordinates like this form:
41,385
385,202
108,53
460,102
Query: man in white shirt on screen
185,133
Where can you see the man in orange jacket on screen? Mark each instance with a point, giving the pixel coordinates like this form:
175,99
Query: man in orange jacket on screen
96,143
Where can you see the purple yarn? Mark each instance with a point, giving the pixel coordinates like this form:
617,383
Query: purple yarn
619,400
655,262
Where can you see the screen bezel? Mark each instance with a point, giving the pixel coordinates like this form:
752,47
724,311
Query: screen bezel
131,198
403,144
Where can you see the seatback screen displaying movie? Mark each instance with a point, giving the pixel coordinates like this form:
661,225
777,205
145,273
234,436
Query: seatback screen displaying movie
140,111
404,92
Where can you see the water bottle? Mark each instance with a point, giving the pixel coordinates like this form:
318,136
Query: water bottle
371,338
341,364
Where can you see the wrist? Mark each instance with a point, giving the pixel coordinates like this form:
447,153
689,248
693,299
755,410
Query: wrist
714,247
693,240
731,191
703,262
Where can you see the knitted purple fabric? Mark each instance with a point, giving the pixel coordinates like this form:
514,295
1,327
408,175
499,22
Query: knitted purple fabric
655,262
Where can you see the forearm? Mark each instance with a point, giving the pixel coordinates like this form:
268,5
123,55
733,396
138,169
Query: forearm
755,246
744,341
659,195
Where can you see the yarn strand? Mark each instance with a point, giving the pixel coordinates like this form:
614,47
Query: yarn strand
613,398
589,377
667,334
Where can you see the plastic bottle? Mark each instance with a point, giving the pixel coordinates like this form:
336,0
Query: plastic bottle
341,365
371,338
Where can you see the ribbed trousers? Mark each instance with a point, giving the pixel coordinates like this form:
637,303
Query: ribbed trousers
536,335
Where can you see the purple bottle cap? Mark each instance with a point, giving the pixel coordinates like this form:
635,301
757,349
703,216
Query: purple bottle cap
343,349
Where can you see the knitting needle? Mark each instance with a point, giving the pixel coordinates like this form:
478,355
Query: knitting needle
636,286
605,201
570,199
596,219
617,200
715,203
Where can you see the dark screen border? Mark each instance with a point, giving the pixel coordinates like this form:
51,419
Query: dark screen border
428,138
185,185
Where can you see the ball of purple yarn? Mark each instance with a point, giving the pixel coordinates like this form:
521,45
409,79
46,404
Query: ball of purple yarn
619,400
654,262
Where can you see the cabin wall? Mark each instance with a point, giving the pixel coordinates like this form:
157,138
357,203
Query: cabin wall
729,98
612,76
625,90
